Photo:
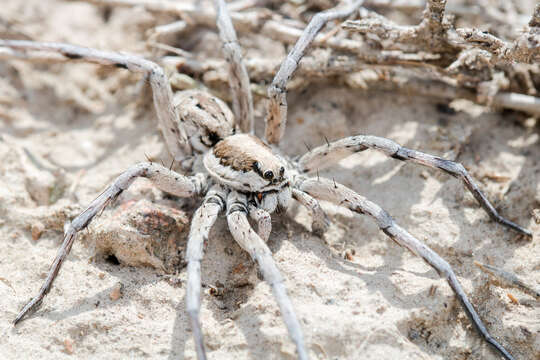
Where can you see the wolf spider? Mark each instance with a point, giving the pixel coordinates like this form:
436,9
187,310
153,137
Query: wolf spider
235,172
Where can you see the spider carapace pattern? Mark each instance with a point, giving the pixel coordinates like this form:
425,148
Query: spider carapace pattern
236,173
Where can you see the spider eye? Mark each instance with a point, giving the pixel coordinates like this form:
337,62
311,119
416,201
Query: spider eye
256,166
268,175
282,171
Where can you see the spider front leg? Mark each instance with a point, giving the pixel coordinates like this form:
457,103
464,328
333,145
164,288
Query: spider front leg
175,136
165,179
201,223
331,191
237,209
325,155
276,118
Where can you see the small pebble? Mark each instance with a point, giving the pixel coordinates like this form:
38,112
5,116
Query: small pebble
37,229
116,292
68,346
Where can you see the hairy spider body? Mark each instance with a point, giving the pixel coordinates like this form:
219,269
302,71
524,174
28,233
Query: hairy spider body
242,162
243,176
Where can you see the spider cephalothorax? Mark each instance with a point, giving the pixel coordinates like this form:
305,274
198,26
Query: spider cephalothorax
243,176
244,163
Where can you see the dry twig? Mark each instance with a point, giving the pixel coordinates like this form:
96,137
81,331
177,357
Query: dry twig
430,35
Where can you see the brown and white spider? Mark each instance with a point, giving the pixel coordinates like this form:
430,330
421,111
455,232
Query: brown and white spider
240,175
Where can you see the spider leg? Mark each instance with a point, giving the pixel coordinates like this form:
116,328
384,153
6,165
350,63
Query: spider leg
165,179
238,76
328,190
264,221
325,155
201,223
276,118
259,251
320,220
175,135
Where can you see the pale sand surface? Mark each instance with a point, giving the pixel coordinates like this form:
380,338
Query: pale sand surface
83,124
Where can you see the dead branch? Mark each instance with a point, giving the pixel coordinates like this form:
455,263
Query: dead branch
430,35
417,79
422,82
436,34
482,65
525,49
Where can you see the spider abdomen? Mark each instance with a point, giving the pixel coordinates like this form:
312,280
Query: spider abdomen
206,118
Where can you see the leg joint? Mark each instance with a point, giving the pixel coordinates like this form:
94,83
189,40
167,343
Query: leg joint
215,199
400,154
237,206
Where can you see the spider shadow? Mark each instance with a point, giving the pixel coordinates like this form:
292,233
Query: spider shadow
179,331
404,181
282,225
519,193
222,255
374,278
101,299
378,280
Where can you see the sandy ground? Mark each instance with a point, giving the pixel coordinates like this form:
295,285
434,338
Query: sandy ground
67,130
